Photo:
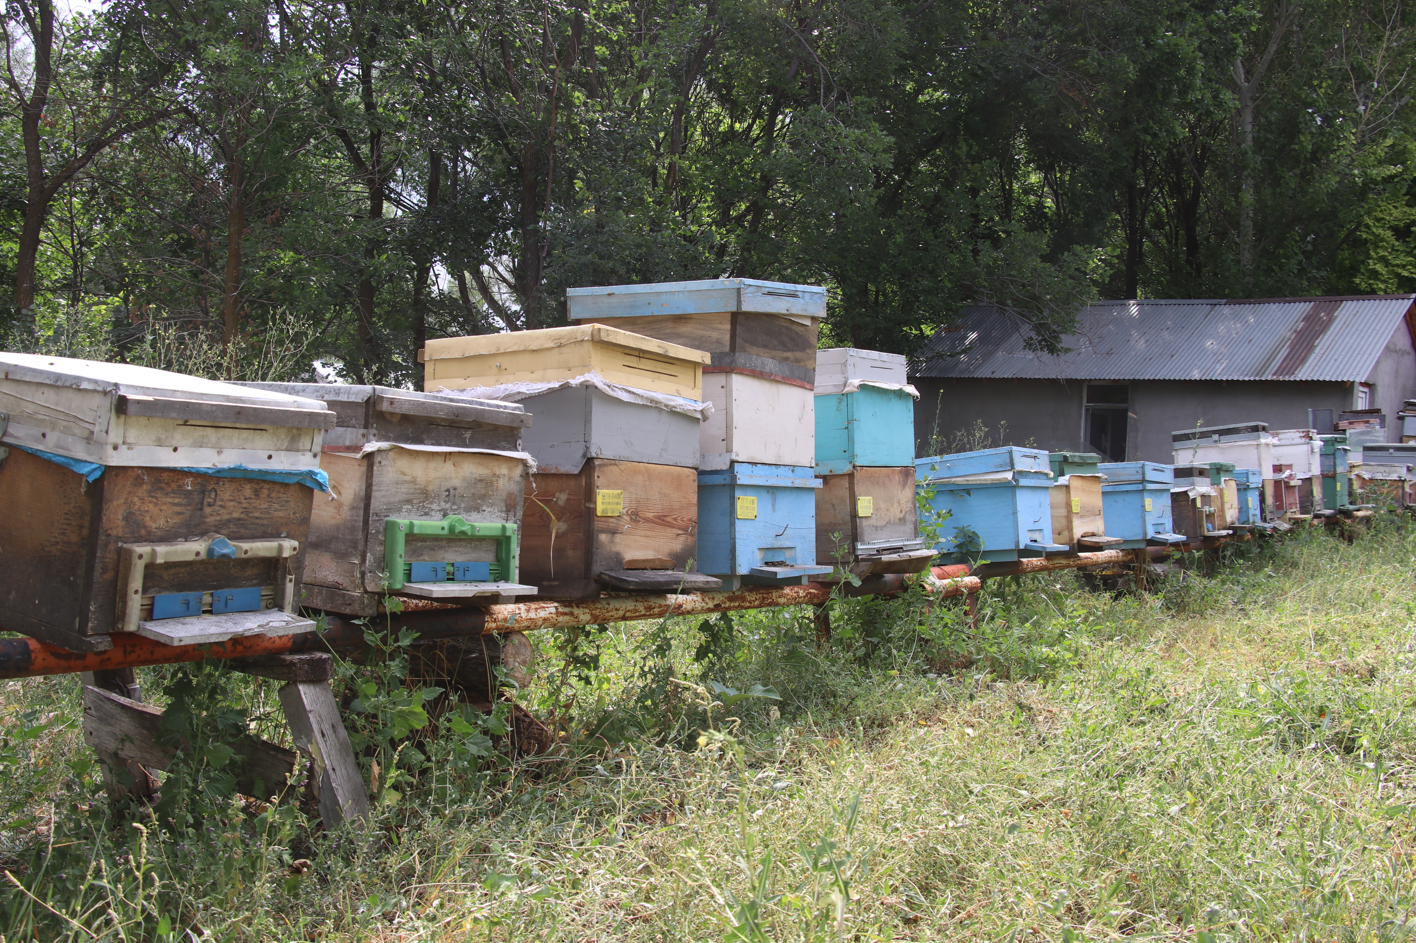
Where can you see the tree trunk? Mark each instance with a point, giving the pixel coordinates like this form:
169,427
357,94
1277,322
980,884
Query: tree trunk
1246,176
37,199
424,268
235,233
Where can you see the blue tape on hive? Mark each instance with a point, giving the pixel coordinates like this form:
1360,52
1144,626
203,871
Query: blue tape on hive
176,605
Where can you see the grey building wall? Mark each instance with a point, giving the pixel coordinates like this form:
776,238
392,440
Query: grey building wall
1044,414
1394,377
1047,414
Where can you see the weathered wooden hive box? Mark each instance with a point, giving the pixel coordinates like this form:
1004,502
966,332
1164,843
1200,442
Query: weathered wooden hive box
1282,497
137,500
1077,518
1300,451
584,417
426,496
1334,464
761,338
758,525
1387,474
1196,506
614,526
1135,498
1244,445
862,420
991,505
558,353
1249,484
1221,479
867,522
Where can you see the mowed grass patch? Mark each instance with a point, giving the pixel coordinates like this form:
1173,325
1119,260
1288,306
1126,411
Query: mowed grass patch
1230,757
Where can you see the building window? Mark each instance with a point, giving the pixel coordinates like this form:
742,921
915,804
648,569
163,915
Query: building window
1107,409
1364,396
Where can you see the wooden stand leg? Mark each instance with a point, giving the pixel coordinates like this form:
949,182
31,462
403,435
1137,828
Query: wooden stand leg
124,779
821,613
314,720
971,601
1142,569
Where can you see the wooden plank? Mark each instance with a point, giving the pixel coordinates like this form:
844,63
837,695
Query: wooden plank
193,410
339,525
555,535
220,627
304,666
777,338
129,730
659,581
123,779
895,511
659,523
340,601
465,412
835,519
314,720
709,332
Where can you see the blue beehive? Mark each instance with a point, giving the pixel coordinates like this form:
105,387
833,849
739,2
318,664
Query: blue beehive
997,503
757,525
1251,495
1135,501
871,426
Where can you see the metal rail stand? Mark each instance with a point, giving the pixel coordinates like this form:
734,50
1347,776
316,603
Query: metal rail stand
123,731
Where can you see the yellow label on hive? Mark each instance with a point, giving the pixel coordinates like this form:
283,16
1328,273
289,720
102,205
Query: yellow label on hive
1076,505
865,507
1148,504
609,503
746,508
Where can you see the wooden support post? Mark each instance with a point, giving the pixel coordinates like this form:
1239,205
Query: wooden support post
123,778
822,616
314,720
971,601
128,730
1142,569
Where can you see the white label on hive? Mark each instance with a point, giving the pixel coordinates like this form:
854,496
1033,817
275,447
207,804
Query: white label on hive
609,503
1076,505
746,507
865,507
1148,504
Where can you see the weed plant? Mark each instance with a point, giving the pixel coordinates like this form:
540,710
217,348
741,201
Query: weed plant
1229,757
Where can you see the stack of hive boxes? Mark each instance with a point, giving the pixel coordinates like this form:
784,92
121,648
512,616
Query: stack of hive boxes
1407,418
866,520
1333,464
756,487
990,505
425,498
1387,476
1297,491
1197,505
1078,519
615,429
137,500
1245,445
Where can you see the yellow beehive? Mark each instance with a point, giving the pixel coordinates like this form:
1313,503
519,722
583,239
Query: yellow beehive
562,353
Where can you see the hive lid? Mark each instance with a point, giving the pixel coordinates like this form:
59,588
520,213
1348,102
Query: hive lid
478,344
709,296
146,383
1008,458
1121,473
387,399
1219,433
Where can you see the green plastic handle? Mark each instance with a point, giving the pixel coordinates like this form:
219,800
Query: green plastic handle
396,533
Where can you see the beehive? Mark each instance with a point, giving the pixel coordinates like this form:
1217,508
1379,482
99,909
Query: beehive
1334,464
1078,519
1243,445
560,353
1135,498
622,526
840,368
866,521
869,426
997,501
756,421
1249,487
426,498
757,525
764,328
1196,506
139,500
1300,452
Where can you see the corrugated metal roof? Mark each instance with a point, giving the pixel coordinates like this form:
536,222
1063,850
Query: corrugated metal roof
1265,339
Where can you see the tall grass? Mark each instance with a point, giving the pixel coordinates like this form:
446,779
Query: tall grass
1231,757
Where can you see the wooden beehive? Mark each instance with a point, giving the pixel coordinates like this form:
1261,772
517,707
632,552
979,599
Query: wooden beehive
757,525
868,426
449,470
765,328
1196,506
840,367
139,500
561,353
1282,497
756,421
993,504
620,526
867,522
1135,500
1077,514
